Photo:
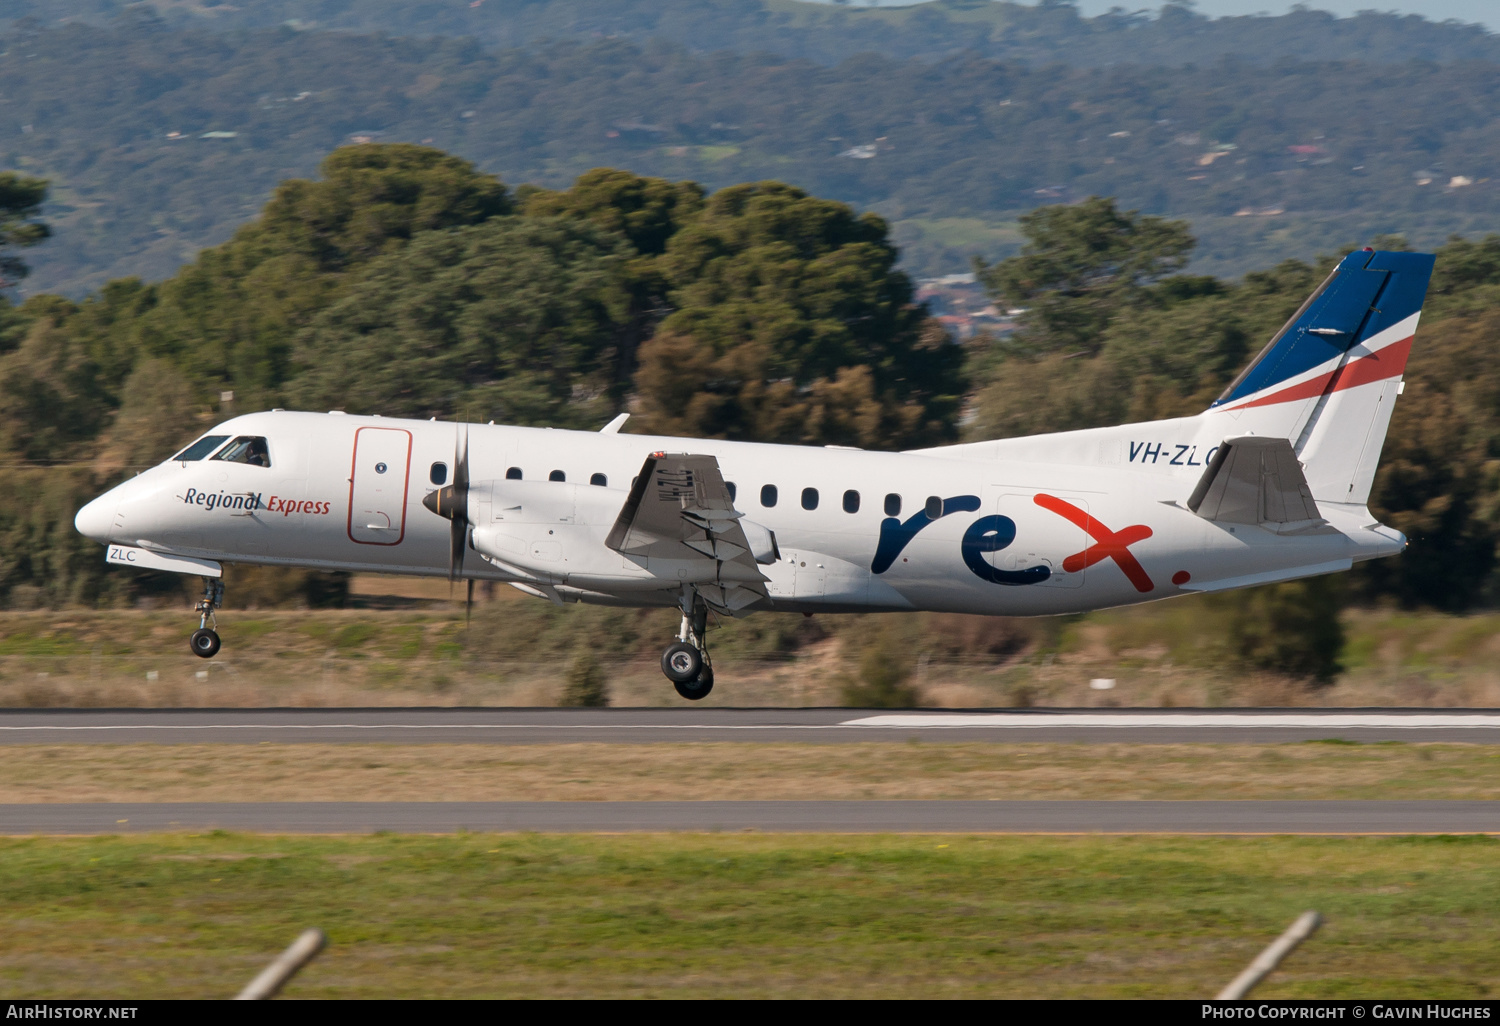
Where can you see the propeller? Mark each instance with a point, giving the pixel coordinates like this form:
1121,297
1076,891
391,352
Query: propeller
452,501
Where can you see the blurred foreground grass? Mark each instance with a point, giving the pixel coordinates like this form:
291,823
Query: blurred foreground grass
747,915
517,651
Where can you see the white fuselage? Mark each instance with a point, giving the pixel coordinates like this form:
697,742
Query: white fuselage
1106,504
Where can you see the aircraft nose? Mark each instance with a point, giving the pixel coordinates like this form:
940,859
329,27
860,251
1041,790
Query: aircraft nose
96,520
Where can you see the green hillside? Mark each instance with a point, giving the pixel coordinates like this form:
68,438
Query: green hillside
158,142
1050,31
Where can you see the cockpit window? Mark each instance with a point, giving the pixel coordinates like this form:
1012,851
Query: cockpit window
201,448
246,449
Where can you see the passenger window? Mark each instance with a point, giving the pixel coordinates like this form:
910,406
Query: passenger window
201,448
732,489
934,507
893,505
809,498
513,474
246,449
557,475
600,480
851,501
438,475
768,495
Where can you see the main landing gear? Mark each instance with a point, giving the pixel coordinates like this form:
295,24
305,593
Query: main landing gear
685,662
205,640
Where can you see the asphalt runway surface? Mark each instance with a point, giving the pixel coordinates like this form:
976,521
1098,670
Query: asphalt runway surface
978,817
637,726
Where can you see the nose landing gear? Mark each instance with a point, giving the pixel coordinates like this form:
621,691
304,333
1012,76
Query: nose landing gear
686,662
205,640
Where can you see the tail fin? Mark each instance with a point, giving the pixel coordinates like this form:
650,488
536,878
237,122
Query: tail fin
1327,382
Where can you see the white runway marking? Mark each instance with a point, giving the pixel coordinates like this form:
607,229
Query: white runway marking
1334,721
904,721
438,726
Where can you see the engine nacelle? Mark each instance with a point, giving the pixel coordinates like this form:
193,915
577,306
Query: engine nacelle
552,532
548,531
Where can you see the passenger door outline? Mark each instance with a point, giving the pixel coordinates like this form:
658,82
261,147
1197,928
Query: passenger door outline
372,494
1043,539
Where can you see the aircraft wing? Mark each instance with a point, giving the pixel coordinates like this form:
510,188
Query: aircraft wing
679,510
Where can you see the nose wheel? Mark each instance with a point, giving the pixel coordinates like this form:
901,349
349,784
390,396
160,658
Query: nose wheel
205,640
685,662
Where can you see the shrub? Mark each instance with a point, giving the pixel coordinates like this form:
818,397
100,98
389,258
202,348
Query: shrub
885,669
587,686
1290,628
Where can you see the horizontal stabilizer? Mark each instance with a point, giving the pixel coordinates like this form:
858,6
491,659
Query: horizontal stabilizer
1254,480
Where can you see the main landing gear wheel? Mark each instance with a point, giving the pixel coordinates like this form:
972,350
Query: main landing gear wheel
685,662
205,643
682,663
696,690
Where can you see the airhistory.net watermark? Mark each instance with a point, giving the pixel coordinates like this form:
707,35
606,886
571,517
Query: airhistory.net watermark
49,1010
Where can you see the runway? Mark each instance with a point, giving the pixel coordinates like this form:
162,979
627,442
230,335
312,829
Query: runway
976,817
818,726
822,726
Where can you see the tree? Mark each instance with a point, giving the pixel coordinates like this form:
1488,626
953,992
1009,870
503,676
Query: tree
1436,482
20,204
645,211
159,414
791,324
44,561
1080,266
232,314
1185,339
372,198
512,320
51,402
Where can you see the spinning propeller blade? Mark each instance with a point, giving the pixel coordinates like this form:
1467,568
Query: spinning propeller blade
458,537
452,502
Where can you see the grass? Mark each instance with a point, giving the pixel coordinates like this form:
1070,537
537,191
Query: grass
737,771
746,915
1159,654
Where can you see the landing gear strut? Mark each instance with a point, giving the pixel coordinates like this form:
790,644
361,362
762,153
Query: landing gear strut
205,640
686,662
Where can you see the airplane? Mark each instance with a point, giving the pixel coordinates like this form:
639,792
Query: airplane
1270,483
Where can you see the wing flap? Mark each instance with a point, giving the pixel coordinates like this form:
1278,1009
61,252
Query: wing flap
679,508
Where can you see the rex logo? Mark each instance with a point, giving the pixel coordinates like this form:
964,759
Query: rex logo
996,532
1108,544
